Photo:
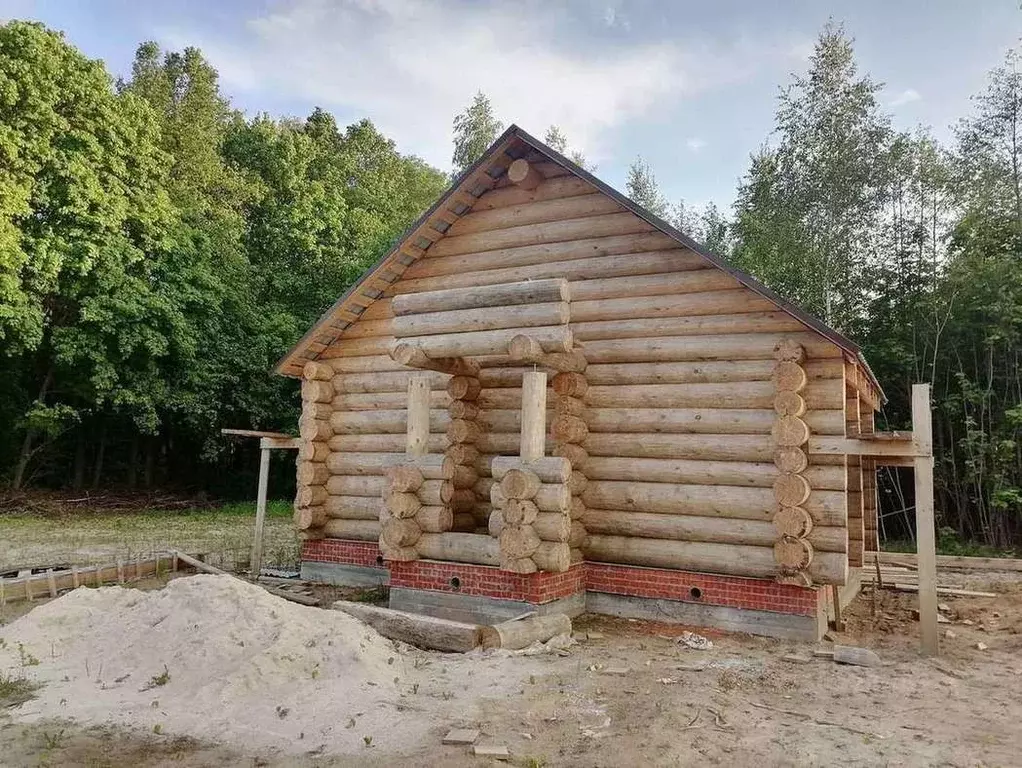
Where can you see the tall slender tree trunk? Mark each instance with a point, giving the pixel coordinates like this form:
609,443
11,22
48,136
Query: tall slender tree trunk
26,446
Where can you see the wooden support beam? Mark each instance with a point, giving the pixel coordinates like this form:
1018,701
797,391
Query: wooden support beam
414,357
922,429
260,519
417,436
533,444
875,446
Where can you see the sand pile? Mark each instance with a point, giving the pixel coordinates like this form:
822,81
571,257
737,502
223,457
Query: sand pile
213,658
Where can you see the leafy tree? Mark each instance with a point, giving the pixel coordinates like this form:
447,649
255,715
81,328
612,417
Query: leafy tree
556,139
642,188
474,130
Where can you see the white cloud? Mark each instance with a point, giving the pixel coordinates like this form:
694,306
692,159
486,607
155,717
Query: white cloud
695,144
905,97
411,65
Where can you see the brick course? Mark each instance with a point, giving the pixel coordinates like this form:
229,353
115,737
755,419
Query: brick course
537,588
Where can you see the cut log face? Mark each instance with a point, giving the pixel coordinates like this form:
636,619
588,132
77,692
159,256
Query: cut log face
790,432
400,533
792,460
525,632
569,429
791,490
461,431
463,388
404,478
518,541
576,454
402,504
793,554
317,372
463,409
789,350
570,384
520,511
523,565
789,376
789,404
554,557
793,522
434,519
520,484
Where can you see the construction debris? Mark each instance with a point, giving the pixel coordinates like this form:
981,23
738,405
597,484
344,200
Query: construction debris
498,751
461,736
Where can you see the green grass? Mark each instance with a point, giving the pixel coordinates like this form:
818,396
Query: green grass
15,689
949,543
223,532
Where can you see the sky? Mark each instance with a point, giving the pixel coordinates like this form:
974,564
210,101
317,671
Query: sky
690,86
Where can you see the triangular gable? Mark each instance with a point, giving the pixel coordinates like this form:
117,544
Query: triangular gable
482,176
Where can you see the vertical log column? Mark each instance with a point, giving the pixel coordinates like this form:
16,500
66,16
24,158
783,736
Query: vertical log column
315,430
570,430
792,551
460,473
531,501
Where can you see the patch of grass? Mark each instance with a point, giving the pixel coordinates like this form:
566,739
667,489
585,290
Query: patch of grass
15,689
157,681
949,543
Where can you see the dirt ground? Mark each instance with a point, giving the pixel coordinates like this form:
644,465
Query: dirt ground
629,694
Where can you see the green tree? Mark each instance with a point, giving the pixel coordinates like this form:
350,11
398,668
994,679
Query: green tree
474,130
556,139
643,189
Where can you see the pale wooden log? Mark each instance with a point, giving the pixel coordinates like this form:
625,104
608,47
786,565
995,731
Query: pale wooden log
461,431
723,447
547,232
739,346
789,404
517,541
570,384
317,372
554,338
790,432
375,363
312,473
519,511
351,485
380,422
438,264
523,175
757,533
826,507
498,443
520,565
391,381
459,548
679,373
541,291
520,484
577,509
789,349
400,504
434,519
792,490
495,523
569,429
309,517
403,478
484,319
575,454
463,409
524,349
690,279
519,634
577,482
533,443
552,526
357,347
415,629
417,434
731,559
378,463
375,401
569,406
359,530
315,391
793,554
794,522
317,410
550,497
400,554
311,496
463,387
414,356
793,460
719,421
549,469
699,325
550,189
729,302
698,472
354,507
552,556
313,451
398,532
577,535
789,376
578,268
382,443
314,429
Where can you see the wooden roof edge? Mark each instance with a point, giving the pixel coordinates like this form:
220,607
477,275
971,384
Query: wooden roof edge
502,144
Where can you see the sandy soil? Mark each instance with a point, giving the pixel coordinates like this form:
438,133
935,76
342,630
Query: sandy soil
631,695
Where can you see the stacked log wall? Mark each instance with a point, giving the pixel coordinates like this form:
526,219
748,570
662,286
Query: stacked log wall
679,407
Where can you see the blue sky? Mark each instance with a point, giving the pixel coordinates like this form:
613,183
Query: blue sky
690,86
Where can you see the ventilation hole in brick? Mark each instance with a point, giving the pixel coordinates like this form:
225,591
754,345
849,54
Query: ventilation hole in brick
455,583
696,593
379,559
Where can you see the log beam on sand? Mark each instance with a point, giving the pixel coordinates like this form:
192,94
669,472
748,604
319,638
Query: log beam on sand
415,629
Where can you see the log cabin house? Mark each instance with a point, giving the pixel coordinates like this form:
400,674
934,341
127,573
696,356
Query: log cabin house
545,397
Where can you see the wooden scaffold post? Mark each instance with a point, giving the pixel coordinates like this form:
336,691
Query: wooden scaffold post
922,436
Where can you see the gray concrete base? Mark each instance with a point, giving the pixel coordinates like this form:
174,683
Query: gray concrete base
475,609
343,575
782,625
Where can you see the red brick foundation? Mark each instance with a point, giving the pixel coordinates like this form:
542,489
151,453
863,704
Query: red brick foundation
537,588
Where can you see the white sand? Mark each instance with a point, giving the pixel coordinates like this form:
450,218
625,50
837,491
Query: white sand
245,668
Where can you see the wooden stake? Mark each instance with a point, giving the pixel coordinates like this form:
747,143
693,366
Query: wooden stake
51,582
835,593
922,438
417,435
28,588
256,559
120,572
74,576
533,444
